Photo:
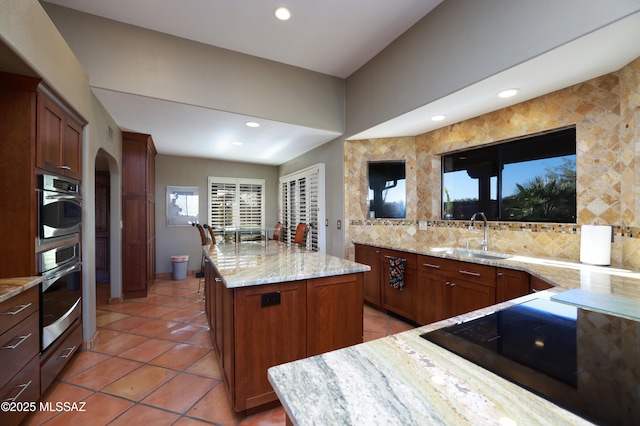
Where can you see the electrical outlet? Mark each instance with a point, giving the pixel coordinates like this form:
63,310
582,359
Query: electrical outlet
270,299
339,224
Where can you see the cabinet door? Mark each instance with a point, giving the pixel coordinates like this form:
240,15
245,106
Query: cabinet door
433,297
403,302
71,150
270,329
537,284
334,313
368,255
50,134
511,284
467,296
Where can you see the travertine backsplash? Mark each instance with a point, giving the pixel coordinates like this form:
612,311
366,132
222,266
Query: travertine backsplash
606,114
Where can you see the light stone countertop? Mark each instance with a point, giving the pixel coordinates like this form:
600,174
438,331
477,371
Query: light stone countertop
405,380
249,264
10,287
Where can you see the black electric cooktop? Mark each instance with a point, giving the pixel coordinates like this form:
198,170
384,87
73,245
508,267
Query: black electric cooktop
534,344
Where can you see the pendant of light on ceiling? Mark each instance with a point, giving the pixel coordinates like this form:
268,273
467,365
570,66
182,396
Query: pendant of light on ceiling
282,13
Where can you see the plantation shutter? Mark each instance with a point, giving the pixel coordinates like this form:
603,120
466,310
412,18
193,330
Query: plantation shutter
236,203
301,200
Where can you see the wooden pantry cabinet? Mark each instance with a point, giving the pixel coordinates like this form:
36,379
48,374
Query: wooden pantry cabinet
138,214
256,327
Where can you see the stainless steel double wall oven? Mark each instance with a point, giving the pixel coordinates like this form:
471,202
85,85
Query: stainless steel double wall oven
58,256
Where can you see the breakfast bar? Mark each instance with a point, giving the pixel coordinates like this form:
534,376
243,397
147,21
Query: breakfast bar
275,303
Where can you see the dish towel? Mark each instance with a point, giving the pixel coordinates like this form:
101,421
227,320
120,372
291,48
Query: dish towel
396,272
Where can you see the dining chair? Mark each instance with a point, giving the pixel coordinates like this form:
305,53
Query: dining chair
301,234
276,231
203,242
213,236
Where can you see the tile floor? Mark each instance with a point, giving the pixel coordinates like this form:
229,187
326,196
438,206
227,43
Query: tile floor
154,365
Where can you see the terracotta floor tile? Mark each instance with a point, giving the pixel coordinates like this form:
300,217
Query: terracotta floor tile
180,393
148,350
140,382
398,326
107,317
368,336
202,339
119,344
181,315
158,311
369,311
57,392
141,415
377,324
181,332
101,375
159,299
273,417
100,409
80,362
127,323
153,327
179,302
136,308
206,366
214,407
200,319
186,421
180,356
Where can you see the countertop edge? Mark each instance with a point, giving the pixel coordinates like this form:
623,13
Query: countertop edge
10,287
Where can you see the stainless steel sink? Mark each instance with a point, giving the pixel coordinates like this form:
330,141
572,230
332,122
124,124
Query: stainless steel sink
471,253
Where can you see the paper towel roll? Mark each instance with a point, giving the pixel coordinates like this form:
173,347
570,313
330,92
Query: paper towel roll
595,244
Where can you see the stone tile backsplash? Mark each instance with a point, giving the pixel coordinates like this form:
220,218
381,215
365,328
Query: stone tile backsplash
606,114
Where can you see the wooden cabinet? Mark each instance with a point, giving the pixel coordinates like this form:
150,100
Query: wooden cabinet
19,352
256,327
59,136
402,302
538,284
138,214
449,287
59,353
21,119
511,284
368,255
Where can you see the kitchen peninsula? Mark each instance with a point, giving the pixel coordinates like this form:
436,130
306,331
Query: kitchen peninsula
404,379
275,303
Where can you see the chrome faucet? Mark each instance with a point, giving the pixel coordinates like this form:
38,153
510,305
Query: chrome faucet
485,241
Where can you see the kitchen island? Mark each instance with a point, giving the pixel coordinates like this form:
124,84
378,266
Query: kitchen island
275,303
404,379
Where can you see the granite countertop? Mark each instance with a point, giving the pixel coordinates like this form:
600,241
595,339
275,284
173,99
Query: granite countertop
10,287
249,263
610,288
405,380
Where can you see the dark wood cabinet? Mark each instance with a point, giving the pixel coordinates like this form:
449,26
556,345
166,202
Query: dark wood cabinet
538,284
138,214
59,141
19,352
401,301
511,284
368,255
256,327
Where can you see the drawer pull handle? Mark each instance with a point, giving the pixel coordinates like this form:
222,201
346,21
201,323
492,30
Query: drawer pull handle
429,265
63,167
390,257
22,339
218,280
535,290
475,274
68,354
23,387
449,284
19,309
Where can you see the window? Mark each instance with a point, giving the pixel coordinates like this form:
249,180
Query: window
236,203
301,199
530,180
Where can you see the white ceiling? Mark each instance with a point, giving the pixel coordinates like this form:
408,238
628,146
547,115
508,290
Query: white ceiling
359,29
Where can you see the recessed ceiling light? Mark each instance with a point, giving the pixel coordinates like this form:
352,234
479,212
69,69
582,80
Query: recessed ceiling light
282,13
238,143
508,93
438,118
252,124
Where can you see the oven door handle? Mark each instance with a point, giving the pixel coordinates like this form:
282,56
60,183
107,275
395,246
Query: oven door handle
50,280
64,197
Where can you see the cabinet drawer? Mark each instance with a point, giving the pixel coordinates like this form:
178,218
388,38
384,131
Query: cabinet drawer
19,345
17,308
455,269
411,259
57,356
23,387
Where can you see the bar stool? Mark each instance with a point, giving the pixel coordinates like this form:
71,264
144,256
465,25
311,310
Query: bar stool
301,234
276,232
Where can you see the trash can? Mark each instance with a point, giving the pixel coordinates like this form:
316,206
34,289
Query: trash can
180,267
